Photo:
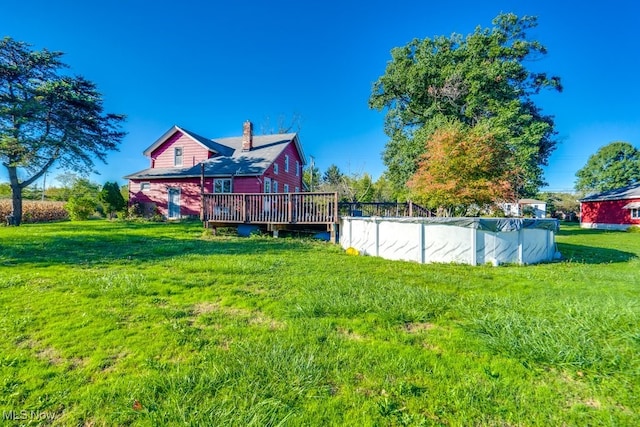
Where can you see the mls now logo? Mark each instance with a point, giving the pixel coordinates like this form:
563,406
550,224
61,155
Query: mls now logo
27,415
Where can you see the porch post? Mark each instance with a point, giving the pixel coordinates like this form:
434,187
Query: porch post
201,191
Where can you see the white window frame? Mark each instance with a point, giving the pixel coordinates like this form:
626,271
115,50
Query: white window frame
178,160
285,188
275,168
222,184
275,186
286,163
297,168
635,213
297,190
145,186
267,185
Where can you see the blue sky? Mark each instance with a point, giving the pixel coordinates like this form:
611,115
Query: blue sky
210,65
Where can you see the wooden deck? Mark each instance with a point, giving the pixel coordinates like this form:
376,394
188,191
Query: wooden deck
293,211
274,211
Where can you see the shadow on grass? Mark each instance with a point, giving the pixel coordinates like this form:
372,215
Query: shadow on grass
574,230
106,243
593,254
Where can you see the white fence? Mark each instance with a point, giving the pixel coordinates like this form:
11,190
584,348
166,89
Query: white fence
472,241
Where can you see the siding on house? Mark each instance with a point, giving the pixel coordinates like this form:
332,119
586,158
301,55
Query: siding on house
284,177
247,184
158,194
609,209
192,152
607,214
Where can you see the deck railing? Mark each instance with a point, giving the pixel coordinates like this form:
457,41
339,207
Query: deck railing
272,208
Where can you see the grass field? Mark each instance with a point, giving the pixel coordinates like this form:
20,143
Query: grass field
160,324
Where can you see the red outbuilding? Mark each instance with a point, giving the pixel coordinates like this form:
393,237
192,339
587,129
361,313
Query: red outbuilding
179,159
611,210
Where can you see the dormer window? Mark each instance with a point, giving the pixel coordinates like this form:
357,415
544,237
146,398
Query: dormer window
275,169
177,156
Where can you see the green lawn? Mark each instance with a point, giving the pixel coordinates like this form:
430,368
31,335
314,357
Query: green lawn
160,324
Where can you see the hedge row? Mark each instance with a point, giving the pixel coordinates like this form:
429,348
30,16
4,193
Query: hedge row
35,211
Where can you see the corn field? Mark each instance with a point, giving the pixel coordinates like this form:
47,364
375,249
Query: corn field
36,211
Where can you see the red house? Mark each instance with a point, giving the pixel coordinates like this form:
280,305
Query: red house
243,164
611,210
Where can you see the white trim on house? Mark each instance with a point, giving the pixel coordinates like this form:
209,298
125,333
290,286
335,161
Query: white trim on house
603,226
176,203
222,185
178,159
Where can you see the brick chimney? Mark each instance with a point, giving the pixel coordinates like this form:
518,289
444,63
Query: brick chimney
247,136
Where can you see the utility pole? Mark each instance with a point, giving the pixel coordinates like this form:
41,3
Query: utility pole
311,174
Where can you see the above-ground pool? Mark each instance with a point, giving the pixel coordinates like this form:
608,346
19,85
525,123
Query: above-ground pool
472,241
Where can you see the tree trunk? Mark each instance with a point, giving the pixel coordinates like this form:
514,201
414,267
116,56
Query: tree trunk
16,198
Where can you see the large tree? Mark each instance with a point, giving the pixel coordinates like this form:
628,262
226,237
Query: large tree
615,165
480,79
47,118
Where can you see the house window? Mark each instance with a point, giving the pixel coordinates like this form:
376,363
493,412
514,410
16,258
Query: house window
222,185
177,156
297,168
286,163
286,188
275,168
275,186
267,185
145,186
635,213
297,189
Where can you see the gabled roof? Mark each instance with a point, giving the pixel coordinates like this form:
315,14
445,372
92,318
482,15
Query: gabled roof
206,143
232,161
629,192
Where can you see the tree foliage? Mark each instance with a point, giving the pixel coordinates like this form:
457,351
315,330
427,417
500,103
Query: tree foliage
84,199
311,178
350,188
563,206
480,79
111,198
332,176
47,118
461,167
613,166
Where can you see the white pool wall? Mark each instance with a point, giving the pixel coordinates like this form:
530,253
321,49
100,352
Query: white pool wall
472,241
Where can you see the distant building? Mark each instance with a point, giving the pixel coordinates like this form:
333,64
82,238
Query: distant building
616,209
525,207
